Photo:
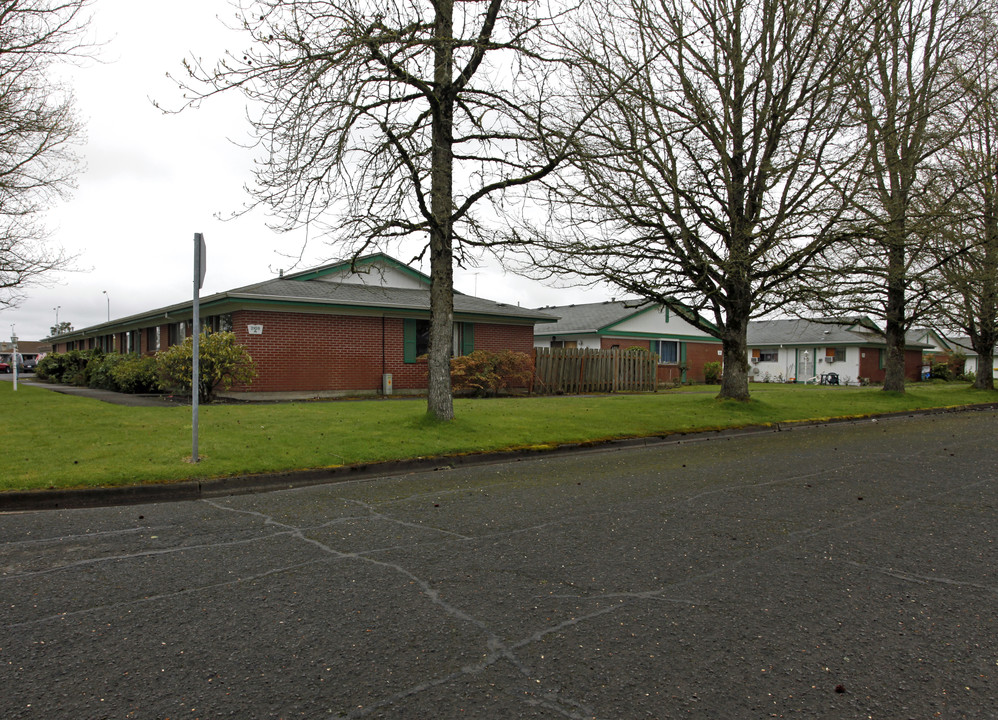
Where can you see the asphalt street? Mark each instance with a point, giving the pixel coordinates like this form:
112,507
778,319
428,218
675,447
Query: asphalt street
843,571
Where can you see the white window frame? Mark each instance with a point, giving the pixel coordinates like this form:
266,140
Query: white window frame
657,346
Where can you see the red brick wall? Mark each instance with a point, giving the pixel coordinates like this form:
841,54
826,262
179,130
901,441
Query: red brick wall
696,355
869,365
913,364
519,338
606,343
313,353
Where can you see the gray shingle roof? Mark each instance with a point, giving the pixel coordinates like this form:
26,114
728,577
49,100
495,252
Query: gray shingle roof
374,296
318,293
796,331
962,344
589,317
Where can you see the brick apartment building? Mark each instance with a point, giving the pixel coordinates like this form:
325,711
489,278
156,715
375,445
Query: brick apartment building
339,329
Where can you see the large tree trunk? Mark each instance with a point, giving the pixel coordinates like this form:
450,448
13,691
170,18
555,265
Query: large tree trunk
987,333
895,325
440,402
894,362
985,379
734,351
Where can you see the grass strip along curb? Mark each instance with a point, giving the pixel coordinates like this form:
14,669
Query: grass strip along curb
28,500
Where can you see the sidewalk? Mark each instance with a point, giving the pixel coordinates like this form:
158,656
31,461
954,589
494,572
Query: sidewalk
115,398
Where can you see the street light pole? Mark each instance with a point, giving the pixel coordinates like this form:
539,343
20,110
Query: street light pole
108,305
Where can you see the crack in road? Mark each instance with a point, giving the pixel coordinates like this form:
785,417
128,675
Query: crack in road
137,555
163,596
497,649
922,579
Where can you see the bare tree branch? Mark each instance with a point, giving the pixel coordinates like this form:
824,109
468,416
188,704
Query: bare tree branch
38,132
379,122
717,164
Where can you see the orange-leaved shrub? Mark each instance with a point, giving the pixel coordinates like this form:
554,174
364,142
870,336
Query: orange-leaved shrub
483,373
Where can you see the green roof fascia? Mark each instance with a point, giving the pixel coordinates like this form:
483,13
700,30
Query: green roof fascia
657,336
393,309
361,262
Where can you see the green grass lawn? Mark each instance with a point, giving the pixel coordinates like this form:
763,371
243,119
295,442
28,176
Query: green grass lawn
50,440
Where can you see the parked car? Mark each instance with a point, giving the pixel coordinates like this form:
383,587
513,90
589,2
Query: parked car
6,367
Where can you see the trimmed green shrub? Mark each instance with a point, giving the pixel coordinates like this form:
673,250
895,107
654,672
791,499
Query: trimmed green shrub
221,364
134,374
49,367
947,366
69,368
712,372
940,371
101,371
483,373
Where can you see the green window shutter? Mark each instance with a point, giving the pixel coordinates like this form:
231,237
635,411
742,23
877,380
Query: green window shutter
467,338
408,340
682,361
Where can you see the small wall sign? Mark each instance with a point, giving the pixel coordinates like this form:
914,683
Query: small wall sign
254,329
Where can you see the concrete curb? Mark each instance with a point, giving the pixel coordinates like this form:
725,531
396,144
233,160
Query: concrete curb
29,500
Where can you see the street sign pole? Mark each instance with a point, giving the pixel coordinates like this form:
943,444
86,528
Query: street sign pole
13,356
199,268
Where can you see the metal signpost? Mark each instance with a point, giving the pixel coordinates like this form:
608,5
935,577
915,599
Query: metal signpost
199,268
13,354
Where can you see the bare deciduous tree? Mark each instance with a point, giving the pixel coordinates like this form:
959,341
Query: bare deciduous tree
716,170
382,121
968,247
907,102
37,132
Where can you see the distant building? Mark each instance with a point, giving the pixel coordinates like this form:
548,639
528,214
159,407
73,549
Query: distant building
29,351
797,350
973,362
681,347
340,329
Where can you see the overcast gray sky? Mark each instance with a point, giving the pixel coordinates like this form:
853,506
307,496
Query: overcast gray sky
151,181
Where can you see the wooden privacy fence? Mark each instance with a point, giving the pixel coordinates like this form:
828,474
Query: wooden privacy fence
578,370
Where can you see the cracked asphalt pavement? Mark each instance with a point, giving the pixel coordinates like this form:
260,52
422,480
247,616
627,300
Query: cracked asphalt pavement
843,571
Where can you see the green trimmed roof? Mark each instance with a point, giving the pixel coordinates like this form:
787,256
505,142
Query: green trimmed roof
304,291
359,264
